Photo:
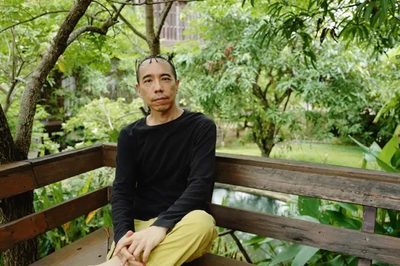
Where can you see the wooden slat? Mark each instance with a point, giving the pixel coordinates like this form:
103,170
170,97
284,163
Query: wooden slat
306,167
32,225
369,222
60,166
16,178
109,154
365,187
26,175
214,260
256,174
346,241
89,250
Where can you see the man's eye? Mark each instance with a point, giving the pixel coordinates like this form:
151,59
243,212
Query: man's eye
166,78
147,81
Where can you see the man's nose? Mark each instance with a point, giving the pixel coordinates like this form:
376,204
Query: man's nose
157,86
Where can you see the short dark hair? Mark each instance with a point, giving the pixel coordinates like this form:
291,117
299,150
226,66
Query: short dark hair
167,59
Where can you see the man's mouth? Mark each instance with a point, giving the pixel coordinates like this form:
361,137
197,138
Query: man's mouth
160,99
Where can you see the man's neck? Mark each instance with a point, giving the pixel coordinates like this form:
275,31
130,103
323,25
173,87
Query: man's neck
158,118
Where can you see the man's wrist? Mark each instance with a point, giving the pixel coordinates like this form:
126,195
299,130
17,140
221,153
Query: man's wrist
161,228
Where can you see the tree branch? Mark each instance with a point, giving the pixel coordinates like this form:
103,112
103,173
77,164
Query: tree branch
257,89
132,28
101,30
131,3
76,33
14,83
33,18
163,16
287,99
105,8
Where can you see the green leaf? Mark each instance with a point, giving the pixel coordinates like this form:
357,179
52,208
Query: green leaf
395,161
348,206
304,255
309,206
307,218
257,240
88,182
287,254
389,150
384,165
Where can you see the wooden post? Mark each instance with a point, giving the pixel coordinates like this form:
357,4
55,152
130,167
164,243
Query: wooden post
369,220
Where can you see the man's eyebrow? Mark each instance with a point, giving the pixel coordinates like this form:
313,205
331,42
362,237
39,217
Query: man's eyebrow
146,76
162,75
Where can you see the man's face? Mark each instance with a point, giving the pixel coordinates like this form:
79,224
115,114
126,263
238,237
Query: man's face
157,85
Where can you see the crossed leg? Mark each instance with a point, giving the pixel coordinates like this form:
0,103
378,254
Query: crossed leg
189,239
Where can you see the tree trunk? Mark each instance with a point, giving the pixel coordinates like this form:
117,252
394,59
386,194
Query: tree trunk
23,253
15,207
153,41
49,59
264,135
7,152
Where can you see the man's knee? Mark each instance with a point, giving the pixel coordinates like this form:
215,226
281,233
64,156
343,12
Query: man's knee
200,222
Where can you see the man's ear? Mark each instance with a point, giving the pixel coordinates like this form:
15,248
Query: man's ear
177,82
137,89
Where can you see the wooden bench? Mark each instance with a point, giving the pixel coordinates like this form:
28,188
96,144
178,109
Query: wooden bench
370,189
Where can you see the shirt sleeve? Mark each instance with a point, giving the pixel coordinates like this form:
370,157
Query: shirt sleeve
122,200
200,180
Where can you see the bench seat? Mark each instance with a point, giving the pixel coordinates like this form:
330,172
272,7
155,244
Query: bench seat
92,249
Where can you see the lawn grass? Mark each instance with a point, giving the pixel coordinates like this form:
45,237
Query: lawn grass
344,155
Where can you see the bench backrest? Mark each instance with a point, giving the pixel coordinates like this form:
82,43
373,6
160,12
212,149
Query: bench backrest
372,189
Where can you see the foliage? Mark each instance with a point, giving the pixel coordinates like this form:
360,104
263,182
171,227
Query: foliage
370,23
272,91
387,158
41,141
59,192
343,91
79,76
238,80
100,121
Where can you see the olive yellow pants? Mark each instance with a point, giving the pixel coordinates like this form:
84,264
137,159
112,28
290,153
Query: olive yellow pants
189,239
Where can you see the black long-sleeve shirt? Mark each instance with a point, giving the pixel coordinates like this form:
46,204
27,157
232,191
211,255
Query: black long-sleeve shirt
163,171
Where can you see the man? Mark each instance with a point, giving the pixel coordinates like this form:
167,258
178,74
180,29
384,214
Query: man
164,177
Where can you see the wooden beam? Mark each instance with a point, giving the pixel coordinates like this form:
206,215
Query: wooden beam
345,184
346,241
109,154
369,222
63,165
306,167
27,175
16,178
35,224
312,182
214,260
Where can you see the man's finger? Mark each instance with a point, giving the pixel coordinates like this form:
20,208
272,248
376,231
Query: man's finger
135,263
132,247
125,255
138,251
146,254
124,241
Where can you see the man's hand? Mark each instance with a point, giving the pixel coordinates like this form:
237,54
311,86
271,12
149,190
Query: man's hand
145,241
135,248
121,250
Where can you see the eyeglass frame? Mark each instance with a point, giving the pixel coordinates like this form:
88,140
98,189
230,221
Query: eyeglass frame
167,58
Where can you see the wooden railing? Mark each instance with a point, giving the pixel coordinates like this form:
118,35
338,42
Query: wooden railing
371,189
